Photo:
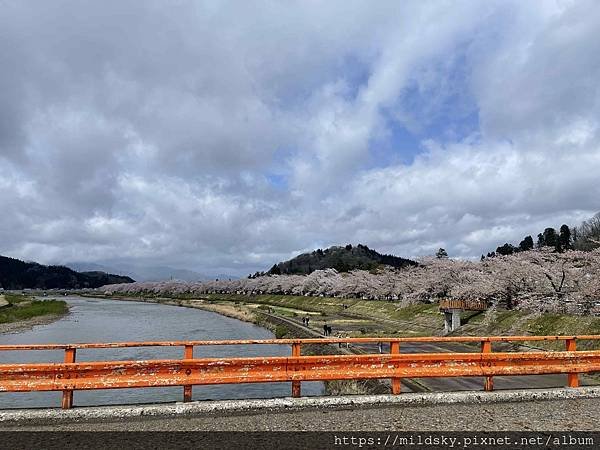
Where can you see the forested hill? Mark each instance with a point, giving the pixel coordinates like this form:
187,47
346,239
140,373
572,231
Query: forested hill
343,259
17,274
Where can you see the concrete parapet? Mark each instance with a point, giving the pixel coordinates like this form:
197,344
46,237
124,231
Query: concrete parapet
224,407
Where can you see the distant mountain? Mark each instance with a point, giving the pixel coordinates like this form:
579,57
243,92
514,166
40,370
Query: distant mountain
142,272
93,267
17,274
343,259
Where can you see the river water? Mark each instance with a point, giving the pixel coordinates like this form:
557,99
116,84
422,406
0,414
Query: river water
102,320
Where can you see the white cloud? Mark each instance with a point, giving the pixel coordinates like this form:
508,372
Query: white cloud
229,136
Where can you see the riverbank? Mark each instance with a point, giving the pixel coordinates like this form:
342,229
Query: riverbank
21,313
28,324
370,318
362,318
233,311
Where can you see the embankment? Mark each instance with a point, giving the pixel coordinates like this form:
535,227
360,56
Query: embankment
21,312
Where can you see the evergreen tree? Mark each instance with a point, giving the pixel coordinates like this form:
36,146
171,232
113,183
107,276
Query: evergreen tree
526,244
565,237
441,253
275,270
550,237
540,241
506,249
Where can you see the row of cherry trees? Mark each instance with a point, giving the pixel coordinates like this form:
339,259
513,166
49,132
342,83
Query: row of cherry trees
538,280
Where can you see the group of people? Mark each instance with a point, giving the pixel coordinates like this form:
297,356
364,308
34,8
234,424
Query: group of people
326,328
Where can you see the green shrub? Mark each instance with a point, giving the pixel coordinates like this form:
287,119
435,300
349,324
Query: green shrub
280,331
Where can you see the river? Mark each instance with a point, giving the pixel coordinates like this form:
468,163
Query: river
102,320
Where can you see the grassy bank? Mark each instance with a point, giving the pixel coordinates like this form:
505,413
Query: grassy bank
22,307
327,305
502,322
498,321
357,317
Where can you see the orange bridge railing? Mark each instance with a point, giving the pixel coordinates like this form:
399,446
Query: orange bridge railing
70,375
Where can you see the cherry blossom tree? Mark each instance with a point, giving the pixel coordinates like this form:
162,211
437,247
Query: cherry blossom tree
540,280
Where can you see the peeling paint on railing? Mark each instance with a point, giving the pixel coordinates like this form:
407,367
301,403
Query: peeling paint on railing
70,376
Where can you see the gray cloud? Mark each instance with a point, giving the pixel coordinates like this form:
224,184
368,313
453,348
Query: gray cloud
223,137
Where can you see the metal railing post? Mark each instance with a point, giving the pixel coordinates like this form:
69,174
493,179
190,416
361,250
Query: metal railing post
296,386
67,397
396,382
188,353
572,378
486,347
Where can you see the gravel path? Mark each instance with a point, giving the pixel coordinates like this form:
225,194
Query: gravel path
550,415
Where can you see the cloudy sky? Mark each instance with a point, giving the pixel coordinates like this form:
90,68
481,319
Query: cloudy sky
225,136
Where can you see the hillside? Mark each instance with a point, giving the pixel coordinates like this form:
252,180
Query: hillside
17,274
342,259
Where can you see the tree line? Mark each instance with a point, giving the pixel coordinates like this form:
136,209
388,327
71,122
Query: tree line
537,280
585,237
